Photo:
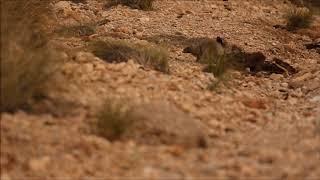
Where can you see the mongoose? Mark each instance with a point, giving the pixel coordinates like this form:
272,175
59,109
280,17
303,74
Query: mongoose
207,47
210,51
255,61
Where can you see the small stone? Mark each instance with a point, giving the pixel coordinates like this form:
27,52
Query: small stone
88,68
175,150
123,30
315,99
255,103
285,85
84,57
5,176
139,34
298,81
297,93
39,164
276,77
62,5
189,12
144,19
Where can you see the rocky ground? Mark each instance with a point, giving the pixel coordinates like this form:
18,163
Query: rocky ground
255,126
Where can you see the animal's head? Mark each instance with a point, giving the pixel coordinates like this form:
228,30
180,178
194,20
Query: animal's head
221,41
194,50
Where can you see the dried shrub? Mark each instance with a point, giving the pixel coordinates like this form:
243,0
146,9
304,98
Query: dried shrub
216,65
26,59
156,57
113,51
116,51
313,5
298,18
136,4
114,118
79,1
76,31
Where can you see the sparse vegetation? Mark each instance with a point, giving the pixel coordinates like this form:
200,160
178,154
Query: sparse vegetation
26,59
298,18
312,5
76,31
136,4
156,57
79,1
114,118
116,51
113,51
217,66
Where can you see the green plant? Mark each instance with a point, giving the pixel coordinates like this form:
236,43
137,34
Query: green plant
27,61
136,4
116,51
298,18
114,118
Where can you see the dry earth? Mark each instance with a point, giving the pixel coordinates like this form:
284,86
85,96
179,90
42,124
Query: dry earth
255,126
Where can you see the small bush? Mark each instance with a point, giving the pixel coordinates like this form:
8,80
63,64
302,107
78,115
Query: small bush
116,51
298,18
113,51
24,69
312,5
76,31
136,4
156,57
114,118
216,63
26,59
79,1
217,67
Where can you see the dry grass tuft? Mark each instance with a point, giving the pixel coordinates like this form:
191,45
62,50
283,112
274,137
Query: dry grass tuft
113,51
217,66
78,1
116,51
76,31
136,4
298,18
26,59
156,57
114,118
216,63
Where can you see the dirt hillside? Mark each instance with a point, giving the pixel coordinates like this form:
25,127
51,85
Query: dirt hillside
249,126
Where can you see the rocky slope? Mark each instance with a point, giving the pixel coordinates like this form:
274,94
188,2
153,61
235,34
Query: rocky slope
257,126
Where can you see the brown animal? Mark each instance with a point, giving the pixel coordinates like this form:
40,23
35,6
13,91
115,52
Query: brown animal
207,47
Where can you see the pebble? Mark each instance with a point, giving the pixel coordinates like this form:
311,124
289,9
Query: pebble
39,164
298,81
144,19
315,99
5,176
276,77
285,85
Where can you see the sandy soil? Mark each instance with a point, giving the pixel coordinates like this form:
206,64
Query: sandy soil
255,126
